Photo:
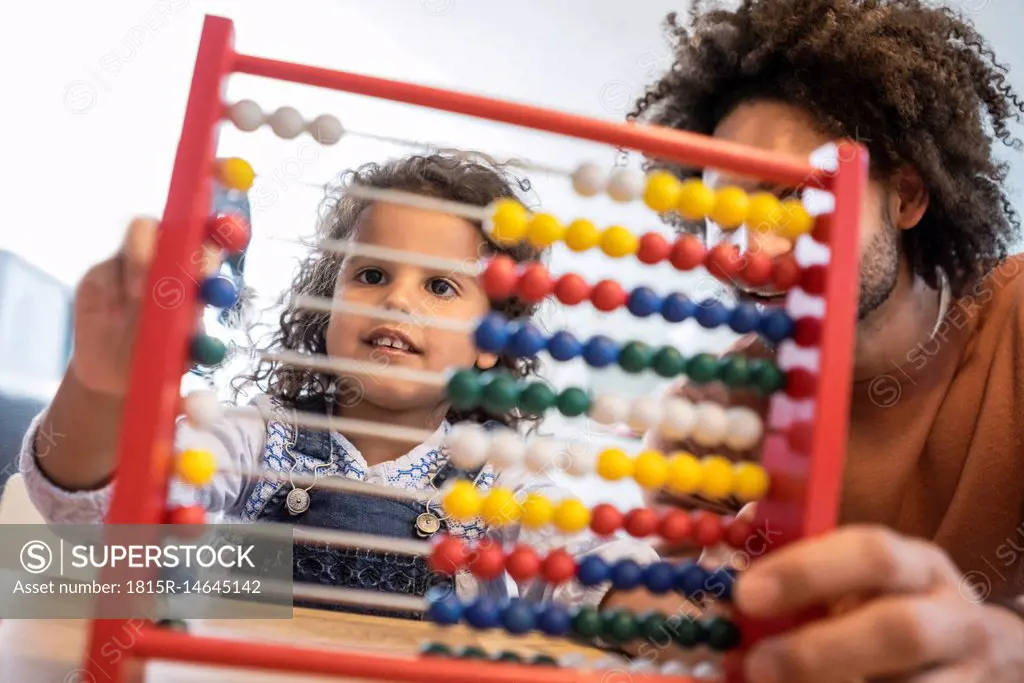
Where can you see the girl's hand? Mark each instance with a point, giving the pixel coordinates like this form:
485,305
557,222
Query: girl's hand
910,616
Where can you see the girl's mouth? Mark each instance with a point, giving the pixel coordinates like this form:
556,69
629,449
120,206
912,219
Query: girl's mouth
391,341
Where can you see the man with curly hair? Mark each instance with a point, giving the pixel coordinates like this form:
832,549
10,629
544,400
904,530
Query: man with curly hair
926,573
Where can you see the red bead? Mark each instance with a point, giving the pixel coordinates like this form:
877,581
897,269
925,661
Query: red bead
708,529
653,249
500,277
798,436
522,564
801,383
676,526
605,519
190,518
738,532
822,228
687,253
487,561
230,232
640,522
448,556
756,269
724,262
534,284
812,280
558,567
807,331
571,289
785,273
608,295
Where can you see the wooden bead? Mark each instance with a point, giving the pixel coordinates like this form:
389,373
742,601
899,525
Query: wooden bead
203,409
326,129
468,445
626,184
744,429
609,409
710,424
644,414
678,419
542,454
589,180
246,115
506,450
286,123
196,467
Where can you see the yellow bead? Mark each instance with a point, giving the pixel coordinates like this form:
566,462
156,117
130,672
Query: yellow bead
463,501
509,221
538,511
235,174
684,474
750,482
196,467
662,192
796,220
650,469
731,206
617,242
716,477
764,215
500,507
582,235
695,201
544,230
571,516
613,464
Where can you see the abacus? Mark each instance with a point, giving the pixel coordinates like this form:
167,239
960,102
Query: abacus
802,442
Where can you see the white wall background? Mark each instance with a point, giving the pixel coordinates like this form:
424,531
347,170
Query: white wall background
94,95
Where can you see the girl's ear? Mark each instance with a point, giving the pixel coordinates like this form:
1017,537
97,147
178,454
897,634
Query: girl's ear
486,361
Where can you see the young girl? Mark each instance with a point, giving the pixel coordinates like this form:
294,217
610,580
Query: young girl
68,457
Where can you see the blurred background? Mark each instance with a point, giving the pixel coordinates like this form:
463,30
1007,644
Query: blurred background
96,94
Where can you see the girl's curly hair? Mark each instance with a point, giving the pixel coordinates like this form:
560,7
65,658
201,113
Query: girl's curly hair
451,176
916,85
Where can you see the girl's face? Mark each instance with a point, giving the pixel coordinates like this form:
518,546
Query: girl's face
422,292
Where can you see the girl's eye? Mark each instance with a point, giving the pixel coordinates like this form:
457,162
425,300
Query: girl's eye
370,276
442,288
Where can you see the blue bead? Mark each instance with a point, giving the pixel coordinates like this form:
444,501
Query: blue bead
776,325
592,571
525,342
600,351
627,574
643,302
711,313
483,613
517,617
564,347
491,333
446,610
219,292
659,577
720,583
691,579
676,308
744,318
555,620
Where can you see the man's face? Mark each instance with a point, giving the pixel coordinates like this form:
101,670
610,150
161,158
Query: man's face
787,130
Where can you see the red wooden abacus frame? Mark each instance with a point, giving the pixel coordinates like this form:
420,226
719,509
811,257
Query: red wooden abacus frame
806,485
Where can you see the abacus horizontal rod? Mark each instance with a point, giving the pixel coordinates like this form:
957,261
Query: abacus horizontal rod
350,366
416,200
351,248
330,595
324,304
334,483
690,149
345,425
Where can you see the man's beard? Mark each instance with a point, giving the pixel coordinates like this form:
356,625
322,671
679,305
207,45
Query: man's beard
879,269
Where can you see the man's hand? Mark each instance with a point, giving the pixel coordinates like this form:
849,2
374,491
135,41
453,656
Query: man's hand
907,615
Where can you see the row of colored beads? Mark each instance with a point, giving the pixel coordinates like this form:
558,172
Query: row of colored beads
708,424
473,652
286,122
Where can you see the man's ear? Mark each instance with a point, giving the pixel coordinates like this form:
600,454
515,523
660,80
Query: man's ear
911,197
486,361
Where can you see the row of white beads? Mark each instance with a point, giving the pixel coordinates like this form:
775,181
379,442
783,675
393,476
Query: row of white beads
621,184
286,122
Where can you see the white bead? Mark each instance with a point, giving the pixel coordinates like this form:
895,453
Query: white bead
246,115
677,419
610,664
588,180
506,450
287,122
745,428
582,459
609,409
642,666
711,425
203,408
467,444
706,671
675,669
326,129
573,660
543,454
644,414
626,184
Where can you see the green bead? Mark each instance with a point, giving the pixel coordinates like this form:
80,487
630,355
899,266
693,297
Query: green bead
702,368
436,650
687,632
586,623
618,627
465,390
734,371
654,626
635,357
473,652
508,656
573,402
723,635
544,660
500,395
668,362
537,398
207,350
766,377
